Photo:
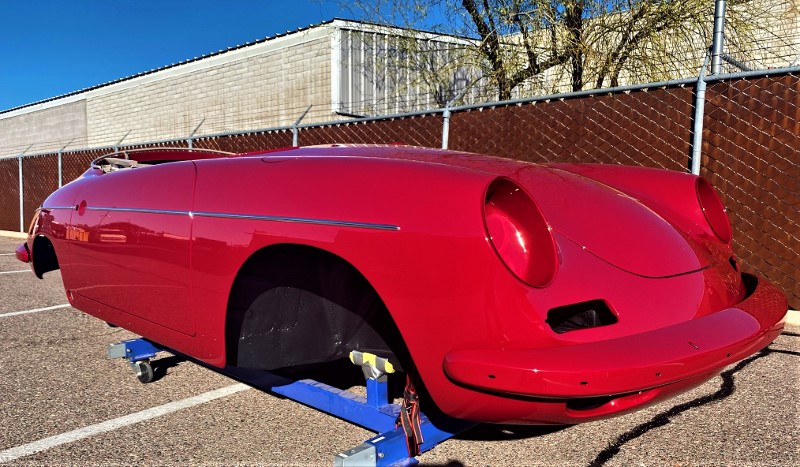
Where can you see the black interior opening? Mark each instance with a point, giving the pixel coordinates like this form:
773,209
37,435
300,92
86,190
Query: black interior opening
588,403
584,315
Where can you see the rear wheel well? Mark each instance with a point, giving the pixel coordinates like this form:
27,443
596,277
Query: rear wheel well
44,256
294,305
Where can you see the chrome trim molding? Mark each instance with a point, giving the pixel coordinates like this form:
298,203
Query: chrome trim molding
142,210
222,215
299,220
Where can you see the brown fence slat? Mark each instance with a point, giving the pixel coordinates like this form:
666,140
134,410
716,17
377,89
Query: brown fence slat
9,194
39,179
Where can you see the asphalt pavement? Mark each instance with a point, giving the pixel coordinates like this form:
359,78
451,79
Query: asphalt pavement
63,402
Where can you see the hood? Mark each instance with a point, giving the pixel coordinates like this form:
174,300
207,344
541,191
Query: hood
610,224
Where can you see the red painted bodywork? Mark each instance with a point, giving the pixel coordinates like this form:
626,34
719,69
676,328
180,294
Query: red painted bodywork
22,253
635,238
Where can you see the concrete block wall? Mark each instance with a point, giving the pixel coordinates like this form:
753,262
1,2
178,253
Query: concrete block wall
44,130
261,85
265,90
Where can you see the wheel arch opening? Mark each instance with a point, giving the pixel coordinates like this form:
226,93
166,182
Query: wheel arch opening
44,256
293,305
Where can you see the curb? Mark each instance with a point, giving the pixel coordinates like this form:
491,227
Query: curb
793,318
13,234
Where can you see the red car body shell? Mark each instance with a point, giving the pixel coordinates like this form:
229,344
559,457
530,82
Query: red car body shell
156,250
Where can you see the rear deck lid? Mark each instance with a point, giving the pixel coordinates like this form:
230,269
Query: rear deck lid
612,225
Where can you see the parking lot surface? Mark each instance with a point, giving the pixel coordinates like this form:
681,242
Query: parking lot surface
63,402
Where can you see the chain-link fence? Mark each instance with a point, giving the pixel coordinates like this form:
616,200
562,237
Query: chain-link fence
10,194
751,153
738,128
643,126
750,140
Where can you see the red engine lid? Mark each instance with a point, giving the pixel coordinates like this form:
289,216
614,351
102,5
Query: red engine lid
612,225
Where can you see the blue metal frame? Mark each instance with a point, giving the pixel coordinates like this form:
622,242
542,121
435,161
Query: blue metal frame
373,412
140,349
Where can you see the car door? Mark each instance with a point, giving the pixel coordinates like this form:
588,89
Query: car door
131,242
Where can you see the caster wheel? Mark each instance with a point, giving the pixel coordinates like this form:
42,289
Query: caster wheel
144,371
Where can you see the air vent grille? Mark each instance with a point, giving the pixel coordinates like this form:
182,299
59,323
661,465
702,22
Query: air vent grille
584,315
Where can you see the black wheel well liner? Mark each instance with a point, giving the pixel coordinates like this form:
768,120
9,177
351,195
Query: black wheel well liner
44,256
293,304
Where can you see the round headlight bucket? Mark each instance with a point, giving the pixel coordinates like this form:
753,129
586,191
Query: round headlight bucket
519,233
713,210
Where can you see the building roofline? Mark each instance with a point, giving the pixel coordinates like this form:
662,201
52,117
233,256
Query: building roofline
173,65
336,21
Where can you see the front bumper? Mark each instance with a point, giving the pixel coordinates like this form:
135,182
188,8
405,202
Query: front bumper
628,364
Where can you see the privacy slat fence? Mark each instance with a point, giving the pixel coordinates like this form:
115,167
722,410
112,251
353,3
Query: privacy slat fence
750,149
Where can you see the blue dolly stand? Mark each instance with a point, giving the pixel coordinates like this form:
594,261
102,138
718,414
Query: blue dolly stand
373,412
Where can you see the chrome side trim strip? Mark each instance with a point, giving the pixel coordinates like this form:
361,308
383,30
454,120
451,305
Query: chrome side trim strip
299,220
146,211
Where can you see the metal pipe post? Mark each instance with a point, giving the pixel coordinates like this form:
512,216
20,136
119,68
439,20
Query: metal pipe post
446,114
718,46
699,111
446,127
21,207
296,128
61,163
116,146
190,139
21,196
60,172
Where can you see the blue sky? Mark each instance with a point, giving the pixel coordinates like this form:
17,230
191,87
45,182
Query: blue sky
51,47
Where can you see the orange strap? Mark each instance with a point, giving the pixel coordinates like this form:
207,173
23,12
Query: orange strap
409,418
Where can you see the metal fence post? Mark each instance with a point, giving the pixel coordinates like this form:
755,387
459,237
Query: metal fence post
699,112
446,114
21,196
60,171
191,135
116,146
717,47
446,126
61,164
21,215
296,129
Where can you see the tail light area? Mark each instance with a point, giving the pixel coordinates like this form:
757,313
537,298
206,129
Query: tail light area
519,233
713,210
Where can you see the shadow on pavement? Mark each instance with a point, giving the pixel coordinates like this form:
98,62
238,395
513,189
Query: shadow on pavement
726,389
489,432
161,365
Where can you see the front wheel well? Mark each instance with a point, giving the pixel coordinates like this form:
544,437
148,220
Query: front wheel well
44,256
293,305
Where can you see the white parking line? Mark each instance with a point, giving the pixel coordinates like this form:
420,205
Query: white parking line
7,254
24,450
14,272
35,310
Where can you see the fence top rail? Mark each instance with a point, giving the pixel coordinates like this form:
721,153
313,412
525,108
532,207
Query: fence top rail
789,70
419,113
570,95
